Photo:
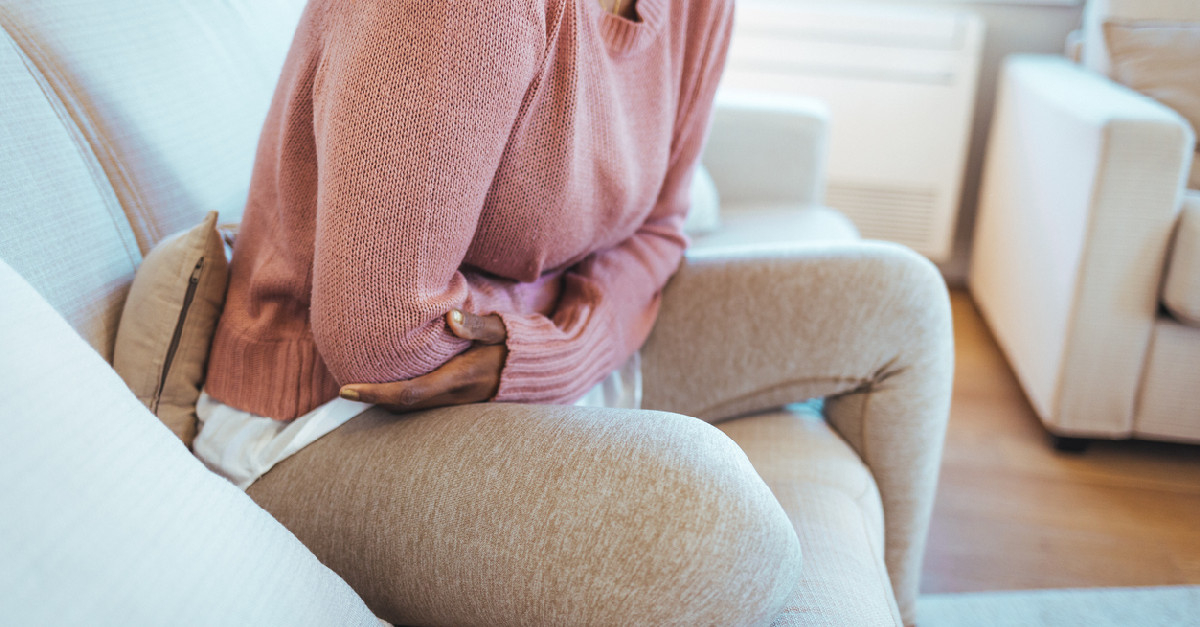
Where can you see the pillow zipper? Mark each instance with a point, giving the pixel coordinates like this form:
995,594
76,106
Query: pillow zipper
193,283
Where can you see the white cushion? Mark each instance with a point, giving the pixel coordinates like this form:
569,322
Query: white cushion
107,518
704,216
1181,288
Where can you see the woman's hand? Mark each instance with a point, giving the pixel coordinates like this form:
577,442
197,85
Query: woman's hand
470,377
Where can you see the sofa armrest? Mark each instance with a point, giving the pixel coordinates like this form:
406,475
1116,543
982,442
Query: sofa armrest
866,325
767,149
1082,183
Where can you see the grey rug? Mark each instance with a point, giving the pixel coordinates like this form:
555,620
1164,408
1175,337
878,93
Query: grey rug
1174,606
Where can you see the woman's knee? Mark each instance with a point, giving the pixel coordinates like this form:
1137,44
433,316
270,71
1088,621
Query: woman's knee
717,547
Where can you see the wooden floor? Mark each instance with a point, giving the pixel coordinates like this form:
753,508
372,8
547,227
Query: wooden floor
1012,513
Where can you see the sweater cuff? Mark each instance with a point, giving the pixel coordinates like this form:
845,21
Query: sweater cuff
545,366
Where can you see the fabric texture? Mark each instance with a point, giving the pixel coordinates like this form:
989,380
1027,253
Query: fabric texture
107,518
1181,285
534,160
1081,190
542,516
168,322
865,324
1161,60
61,226
833,503
170,95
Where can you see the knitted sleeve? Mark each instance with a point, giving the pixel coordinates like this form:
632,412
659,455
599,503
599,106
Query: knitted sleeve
610,300
412,105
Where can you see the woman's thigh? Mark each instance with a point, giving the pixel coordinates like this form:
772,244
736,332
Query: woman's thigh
521,514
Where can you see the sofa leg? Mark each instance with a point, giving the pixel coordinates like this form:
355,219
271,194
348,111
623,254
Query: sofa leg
1064,444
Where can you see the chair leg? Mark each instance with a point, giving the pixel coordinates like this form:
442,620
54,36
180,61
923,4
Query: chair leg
1064,444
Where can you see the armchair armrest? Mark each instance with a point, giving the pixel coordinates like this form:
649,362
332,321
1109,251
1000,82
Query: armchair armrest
1082,183
767,149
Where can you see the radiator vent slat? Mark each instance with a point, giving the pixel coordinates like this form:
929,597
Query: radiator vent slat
892,213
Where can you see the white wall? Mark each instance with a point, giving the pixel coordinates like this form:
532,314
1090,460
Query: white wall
1013,26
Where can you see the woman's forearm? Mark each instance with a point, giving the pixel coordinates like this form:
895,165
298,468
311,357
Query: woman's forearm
405,159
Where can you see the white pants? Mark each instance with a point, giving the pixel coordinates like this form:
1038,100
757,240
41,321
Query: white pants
242,447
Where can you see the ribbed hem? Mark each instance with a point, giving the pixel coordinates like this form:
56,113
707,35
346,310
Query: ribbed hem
543,366
625,36
279,379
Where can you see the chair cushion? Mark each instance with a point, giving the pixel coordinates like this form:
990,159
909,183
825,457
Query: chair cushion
1181,287
834,504
168,323
107,518
1160,60
1170,390
171,95
61,226
749,227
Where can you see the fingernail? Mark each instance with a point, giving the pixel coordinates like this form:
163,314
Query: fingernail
456,316
349,394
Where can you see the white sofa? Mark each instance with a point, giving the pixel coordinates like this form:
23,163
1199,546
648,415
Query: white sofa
1085,261
126,121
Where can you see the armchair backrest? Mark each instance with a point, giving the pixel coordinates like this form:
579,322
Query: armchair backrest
170,96
121,122
1095,51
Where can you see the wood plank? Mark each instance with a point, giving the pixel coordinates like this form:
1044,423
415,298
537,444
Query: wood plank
1012,513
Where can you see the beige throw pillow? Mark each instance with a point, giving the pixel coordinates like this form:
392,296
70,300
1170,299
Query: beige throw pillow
1160,60
167,326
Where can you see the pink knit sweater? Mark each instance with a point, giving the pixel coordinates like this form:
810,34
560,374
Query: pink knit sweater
530,158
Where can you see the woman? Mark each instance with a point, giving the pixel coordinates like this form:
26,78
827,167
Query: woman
456,202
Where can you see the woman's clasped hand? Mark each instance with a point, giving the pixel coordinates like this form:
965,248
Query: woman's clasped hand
470,377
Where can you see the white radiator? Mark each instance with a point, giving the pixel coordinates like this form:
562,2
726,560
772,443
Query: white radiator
900,85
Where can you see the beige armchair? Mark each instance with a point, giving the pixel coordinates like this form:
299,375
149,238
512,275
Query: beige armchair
132,119
1074,266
